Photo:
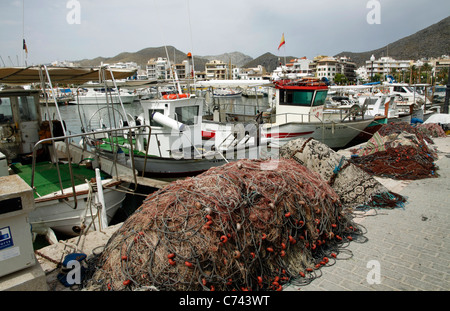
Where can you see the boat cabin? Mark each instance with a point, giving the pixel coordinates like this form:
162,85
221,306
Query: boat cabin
298,101
20,121
175,122
404,92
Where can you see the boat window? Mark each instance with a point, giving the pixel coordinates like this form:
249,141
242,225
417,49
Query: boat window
27,108
5,110
399,89
296,98
187,115
320,98
150,114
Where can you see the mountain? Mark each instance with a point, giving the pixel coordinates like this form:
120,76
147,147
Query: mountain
269,61
141,57
433,41
236,58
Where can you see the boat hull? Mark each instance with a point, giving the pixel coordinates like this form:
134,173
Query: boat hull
368,132
334,135
172,167
58,214
101,100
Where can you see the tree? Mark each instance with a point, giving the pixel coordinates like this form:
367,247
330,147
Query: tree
442,76
412,77
340,79
427,69
376,78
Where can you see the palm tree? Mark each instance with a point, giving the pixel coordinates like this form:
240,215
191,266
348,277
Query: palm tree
442,76
412,74
427,68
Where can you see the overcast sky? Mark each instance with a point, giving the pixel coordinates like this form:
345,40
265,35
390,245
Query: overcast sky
207,27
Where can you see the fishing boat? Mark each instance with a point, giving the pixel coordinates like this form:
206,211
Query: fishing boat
228,93
75,190
297,111
99,96
172,147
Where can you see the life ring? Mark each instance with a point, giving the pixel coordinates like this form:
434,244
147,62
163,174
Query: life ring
176,96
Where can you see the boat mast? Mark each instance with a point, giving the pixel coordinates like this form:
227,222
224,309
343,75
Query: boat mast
24,50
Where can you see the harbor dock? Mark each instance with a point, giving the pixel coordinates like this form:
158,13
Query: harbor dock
409,245
406,249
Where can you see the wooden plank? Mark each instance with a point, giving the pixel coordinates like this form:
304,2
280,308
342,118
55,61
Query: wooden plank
144,181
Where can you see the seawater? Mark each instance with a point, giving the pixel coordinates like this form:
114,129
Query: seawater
78,117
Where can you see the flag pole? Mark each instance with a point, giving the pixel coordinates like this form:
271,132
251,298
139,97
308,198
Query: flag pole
283,43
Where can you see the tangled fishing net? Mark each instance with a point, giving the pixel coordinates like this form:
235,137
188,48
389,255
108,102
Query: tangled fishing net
398,151
431,130
355,187
247,225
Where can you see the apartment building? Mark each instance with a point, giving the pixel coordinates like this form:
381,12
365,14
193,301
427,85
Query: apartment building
386,65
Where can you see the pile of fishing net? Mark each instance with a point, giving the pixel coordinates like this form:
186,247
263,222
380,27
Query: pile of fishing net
431,130
355,187
398,151
247,225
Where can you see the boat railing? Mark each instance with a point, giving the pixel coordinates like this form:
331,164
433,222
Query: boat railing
345,114
288,117
66,140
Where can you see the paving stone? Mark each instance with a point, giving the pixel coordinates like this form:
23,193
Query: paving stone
412,244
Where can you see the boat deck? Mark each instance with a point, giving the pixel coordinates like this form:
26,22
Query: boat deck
46,176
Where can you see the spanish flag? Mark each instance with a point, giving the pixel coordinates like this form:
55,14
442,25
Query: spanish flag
25,46
282,41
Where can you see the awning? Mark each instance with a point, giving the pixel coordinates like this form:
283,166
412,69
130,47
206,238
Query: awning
243,84
68,75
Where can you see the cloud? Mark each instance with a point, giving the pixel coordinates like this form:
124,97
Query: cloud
208,27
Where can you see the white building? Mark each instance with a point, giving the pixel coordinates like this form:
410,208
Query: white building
216,70
387,65
256,73
362,74
158,68
297,68
327,67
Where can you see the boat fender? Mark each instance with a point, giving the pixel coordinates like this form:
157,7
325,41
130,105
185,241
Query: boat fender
416,121
176,96
169,122
68,276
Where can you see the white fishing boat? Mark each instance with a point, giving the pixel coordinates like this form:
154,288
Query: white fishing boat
226,92
98,96
172,147
297,111
65,178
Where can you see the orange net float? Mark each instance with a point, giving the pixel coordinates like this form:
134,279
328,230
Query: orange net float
227,256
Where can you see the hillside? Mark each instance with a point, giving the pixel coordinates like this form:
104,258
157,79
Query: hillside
269,61
141,57
433,41
236,58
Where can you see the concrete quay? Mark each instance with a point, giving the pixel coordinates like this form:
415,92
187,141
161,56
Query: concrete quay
406,249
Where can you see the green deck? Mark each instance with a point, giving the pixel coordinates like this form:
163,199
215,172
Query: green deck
46,176
119,141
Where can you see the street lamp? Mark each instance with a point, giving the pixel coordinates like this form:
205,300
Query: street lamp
372,59
419,64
